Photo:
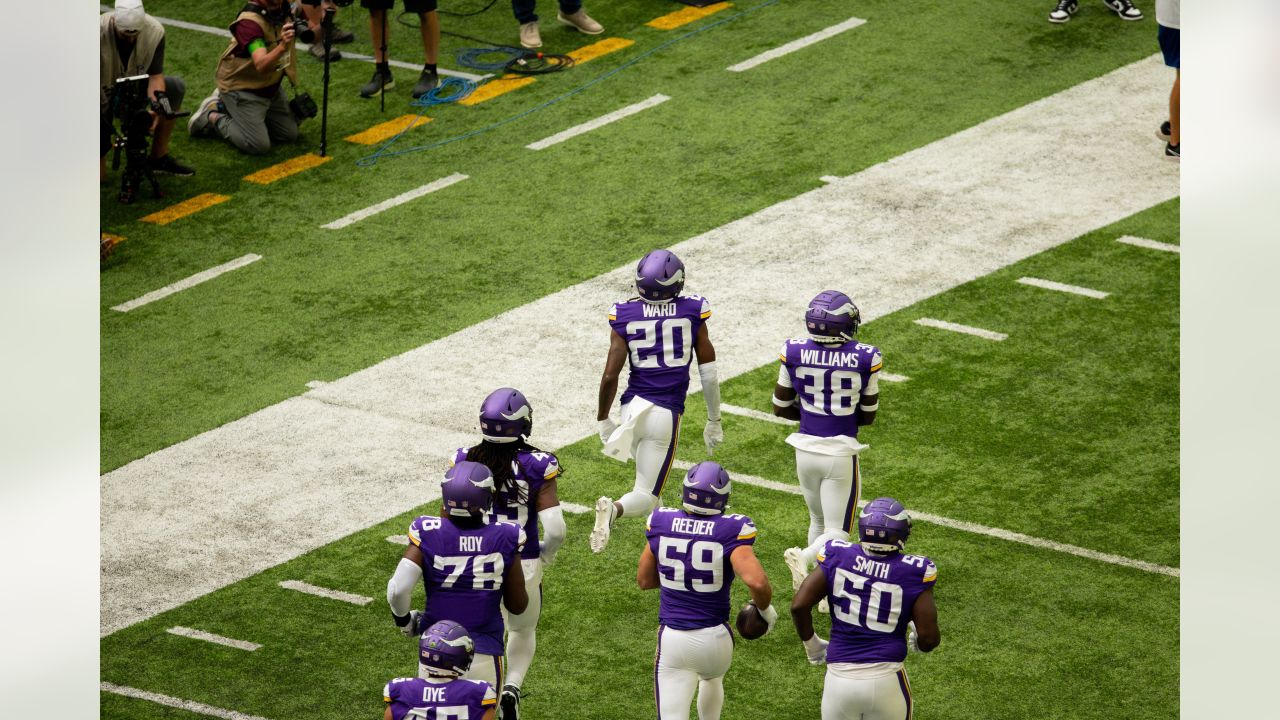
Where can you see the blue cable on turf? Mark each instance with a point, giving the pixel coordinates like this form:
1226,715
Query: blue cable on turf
383,150
470,57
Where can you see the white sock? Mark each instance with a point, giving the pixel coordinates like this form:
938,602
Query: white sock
637,503
521,645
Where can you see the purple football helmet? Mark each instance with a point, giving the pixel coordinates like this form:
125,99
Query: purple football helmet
832,317
884,526
706,489
659,276
506,415
467,489
446,649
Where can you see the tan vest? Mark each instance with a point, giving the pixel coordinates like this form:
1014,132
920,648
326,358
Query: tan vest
237,73
144,51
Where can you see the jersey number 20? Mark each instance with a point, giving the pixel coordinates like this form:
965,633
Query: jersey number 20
673,354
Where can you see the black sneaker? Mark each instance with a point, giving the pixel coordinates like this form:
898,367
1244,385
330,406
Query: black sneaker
1124,8
167,165
381,82
1172,152
1063,11
426,83
510,703
1165,132
342,36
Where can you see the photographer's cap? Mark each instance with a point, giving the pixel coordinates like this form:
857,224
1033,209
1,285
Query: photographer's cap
129,16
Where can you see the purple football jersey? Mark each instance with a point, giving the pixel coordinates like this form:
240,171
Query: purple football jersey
871,601
660,338
463,573
694,570
532,471
458,699
828,381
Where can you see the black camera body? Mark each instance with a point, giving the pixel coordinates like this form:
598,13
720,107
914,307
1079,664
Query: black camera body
130,105
303,107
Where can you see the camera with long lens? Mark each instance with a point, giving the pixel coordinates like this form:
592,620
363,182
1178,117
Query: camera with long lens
302,31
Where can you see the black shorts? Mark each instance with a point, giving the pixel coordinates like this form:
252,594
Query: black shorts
413,6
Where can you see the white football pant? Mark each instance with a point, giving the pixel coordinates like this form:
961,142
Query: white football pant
522,629
856,694
831,485
483,667
653,445
690,660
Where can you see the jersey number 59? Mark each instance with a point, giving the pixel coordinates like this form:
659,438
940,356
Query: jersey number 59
704,556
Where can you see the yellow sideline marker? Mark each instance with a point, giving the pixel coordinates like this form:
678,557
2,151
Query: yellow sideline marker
388,129
671,21
113,239
494,88
595,50
187,207
292,166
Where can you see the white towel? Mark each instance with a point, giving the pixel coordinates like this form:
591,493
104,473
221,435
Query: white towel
622,441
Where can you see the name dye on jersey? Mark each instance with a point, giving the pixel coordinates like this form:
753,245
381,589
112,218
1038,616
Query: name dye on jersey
660,339
694,567
457,699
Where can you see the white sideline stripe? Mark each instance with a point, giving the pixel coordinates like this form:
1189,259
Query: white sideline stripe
748,412
398,539
795,45
890,377
829,178
356,449
400,199
1063,287
303,47
310,589
210,637
599,122
966,329
192,281
970,527
188,705
1149,244
575,508
315,384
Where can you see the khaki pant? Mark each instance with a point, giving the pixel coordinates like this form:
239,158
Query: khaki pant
253,122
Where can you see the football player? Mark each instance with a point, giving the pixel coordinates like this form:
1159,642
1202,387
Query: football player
659,333
827,381
445,651
468,566
525,480
881,604
692,554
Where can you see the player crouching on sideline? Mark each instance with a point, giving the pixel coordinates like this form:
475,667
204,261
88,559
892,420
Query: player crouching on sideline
659,333
836,382
468,567
445,652
525,494
692,555
881,604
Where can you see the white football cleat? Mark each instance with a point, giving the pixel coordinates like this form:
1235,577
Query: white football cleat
604,523
824,607
795,561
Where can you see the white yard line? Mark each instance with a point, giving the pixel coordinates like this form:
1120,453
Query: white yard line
210,637
969,527
795,45
318,591
748,412
597,123
966,329
188,705
574,508
192,281
829,178
400,199
361,449
890,377
1149,244
1063,287
398,539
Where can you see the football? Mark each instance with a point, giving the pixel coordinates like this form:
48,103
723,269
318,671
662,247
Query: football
750,624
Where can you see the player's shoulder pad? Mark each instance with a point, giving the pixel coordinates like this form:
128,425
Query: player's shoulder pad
834,548
872,355
540,464
702,305
658,516
613,311
392,688
513,530
928,570
746,527
422,525
487,696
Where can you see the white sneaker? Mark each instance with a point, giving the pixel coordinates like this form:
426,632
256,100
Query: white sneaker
604,523
582,21
529,35
795,561
199,121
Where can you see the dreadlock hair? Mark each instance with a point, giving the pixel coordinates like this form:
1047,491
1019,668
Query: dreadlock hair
500,458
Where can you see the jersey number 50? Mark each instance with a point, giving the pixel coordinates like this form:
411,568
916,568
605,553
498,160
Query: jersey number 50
853,588
672,354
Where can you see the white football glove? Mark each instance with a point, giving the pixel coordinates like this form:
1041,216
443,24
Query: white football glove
913,640
410,629
607,427
816,648
712,435
769,615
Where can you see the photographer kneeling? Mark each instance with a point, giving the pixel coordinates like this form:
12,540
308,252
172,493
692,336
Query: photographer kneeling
249,108
131,43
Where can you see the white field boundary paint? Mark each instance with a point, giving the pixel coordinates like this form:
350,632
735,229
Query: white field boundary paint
829,178
173,702
965,329
202,276
970,527
795,45
210,637
1063,287
756,414
303,47
1149,244
890,377
365,447
598,123
400,199
398,539
574,508
318,591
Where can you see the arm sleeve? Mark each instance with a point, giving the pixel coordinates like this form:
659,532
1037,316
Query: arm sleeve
784,377
553,531
400,587
710,389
